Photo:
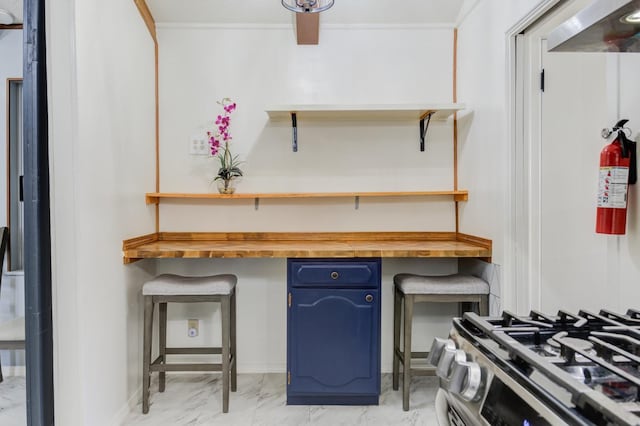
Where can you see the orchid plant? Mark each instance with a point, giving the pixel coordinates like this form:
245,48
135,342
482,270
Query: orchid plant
219,143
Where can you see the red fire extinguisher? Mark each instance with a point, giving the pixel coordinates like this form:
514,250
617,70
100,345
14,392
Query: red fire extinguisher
617,171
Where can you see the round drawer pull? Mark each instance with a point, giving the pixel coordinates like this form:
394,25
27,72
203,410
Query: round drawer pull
368,298
334,275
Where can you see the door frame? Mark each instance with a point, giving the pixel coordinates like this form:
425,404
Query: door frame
524,111
9,141
37,235
521,260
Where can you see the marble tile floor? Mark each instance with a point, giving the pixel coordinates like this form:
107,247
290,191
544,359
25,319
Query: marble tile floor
13,405
195,399
261,400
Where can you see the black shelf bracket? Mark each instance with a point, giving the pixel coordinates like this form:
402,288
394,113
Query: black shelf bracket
294,129
424,125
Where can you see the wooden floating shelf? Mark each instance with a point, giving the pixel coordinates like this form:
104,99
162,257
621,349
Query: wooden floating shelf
367,111
304,245
154,197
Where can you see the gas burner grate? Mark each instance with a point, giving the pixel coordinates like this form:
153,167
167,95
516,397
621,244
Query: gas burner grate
594,356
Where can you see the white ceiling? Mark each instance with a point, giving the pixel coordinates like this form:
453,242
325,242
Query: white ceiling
272,12
343,11
14,7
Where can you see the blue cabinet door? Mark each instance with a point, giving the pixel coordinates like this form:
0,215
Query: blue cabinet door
333,331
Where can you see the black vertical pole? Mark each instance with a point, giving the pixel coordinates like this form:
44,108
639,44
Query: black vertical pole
37,237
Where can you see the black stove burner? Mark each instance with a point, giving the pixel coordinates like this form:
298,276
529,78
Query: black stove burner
546,350
558,341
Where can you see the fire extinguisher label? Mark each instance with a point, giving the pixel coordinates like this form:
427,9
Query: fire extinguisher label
612,187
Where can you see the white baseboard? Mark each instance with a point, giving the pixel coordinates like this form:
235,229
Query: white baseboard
262,369
122,414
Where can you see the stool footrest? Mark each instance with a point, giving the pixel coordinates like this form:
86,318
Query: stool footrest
414,355
186,367
427,371
193,351
13,344
158,365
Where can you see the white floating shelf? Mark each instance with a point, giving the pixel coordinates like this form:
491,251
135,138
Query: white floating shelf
423,113
369,111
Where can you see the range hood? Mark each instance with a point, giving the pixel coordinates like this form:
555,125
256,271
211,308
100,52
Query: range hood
603,26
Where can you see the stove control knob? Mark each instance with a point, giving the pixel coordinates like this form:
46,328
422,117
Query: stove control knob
437,348
465,379
445,364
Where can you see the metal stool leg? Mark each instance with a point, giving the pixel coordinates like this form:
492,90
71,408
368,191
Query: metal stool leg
226,328
406,370
146,352
397,312
162,340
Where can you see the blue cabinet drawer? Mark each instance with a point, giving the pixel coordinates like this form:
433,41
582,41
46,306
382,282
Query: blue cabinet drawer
334,273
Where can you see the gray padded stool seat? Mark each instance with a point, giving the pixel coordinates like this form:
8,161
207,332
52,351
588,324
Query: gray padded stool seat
409,289
175,288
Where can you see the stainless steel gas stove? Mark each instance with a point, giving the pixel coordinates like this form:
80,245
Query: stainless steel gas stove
576,369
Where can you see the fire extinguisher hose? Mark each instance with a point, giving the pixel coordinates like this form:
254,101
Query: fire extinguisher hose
628,150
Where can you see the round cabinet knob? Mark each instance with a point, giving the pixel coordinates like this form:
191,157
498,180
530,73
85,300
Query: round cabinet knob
369,298
445,364
466,379
334,275
437,348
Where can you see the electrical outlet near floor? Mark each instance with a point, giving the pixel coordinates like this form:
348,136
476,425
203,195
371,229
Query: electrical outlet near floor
193,327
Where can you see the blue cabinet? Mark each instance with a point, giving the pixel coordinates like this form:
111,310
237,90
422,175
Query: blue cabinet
333,331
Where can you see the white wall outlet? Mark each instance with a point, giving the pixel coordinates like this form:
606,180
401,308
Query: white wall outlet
193,327
198,145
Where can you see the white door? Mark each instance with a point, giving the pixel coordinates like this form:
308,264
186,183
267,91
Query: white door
573,110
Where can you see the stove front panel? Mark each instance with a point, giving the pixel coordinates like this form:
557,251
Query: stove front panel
502,400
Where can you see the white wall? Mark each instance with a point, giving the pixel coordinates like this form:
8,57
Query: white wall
258,66
261,66
12,292
101,94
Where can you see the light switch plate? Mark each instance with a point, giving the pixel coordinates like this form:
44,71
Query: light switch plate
198,145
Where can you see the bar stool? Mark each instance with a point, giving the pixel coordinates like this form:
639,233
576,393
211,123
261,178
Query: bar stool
410,289
174,288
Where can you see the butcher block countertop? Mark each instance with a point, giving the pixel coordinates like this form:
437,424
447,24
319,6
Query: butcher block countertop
304,244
